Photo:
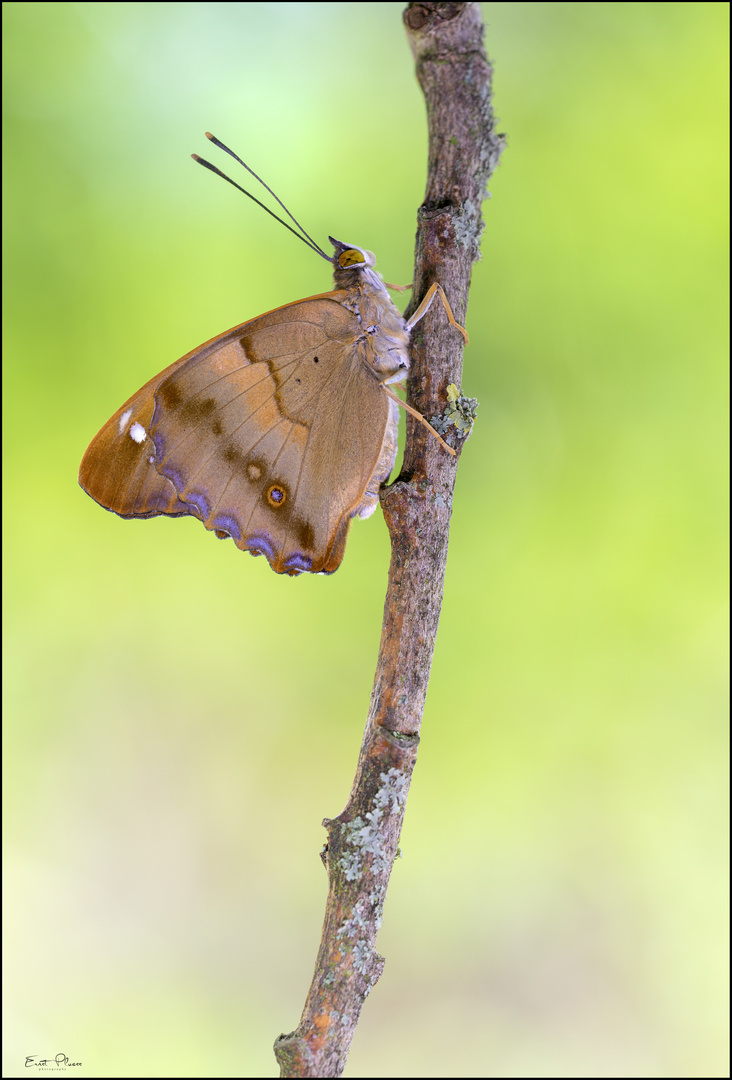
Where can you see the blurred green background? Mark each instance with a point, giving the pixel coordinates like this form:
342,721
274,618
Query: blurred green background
179,719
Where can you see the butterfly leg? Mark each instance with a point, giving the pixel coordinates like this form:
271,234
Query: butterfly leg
398,288
436,290
418,416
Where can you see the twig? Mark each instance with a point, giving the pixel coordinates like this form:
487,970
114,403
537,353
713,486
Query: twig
455,76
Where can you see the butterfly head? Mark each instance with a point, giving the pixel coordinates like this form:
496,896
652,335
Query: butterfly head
350,261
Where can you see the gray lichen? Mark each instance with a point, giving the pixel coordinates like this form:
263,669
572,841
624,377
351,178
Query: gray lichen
459,415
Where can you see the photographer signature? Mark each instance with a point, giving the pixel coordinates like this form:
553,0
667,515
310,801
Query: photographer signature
61,1061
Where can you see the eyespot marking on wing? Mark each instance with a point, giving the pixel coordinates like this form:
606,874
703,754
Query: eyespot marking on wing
276,494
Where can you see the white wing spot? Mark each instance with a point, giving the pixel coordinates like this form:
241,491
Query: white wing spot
137,432
124,420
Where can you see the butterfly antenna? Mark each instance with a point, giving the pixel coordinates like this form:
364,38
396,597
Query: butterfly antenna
302,235
223,146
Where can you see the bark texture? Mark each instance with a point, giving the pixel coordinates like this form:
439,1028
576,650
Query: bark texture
455,76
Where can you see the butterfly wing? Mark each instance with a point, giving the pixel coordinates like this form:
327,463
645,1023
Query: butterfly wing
118,469
275,433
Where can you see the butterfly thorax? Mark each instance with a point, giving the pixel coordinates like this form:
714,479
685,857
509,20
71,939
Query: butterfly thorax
383,343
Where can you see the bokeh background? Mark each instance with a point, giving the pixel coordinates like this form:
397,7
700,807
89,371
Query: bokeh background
179,719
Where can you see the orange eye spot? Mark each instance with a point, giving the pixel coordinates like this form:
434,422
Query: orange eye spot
276,495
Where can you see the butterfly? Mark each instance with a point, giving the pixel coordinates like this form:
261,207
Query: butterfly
278,432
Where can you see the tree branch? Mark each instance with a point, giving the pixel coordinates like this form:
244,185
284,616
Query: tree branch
455,76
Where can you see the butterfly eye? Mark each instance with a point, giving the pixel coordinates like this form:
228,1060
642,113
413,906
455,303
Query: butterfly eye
351,257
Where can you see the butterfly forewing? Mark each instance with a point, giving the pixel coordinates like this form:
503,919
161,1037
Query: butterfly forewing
118,469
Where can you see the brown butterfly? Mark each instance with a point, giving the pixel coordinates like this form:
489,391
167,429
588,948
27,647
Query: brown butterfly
277,432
